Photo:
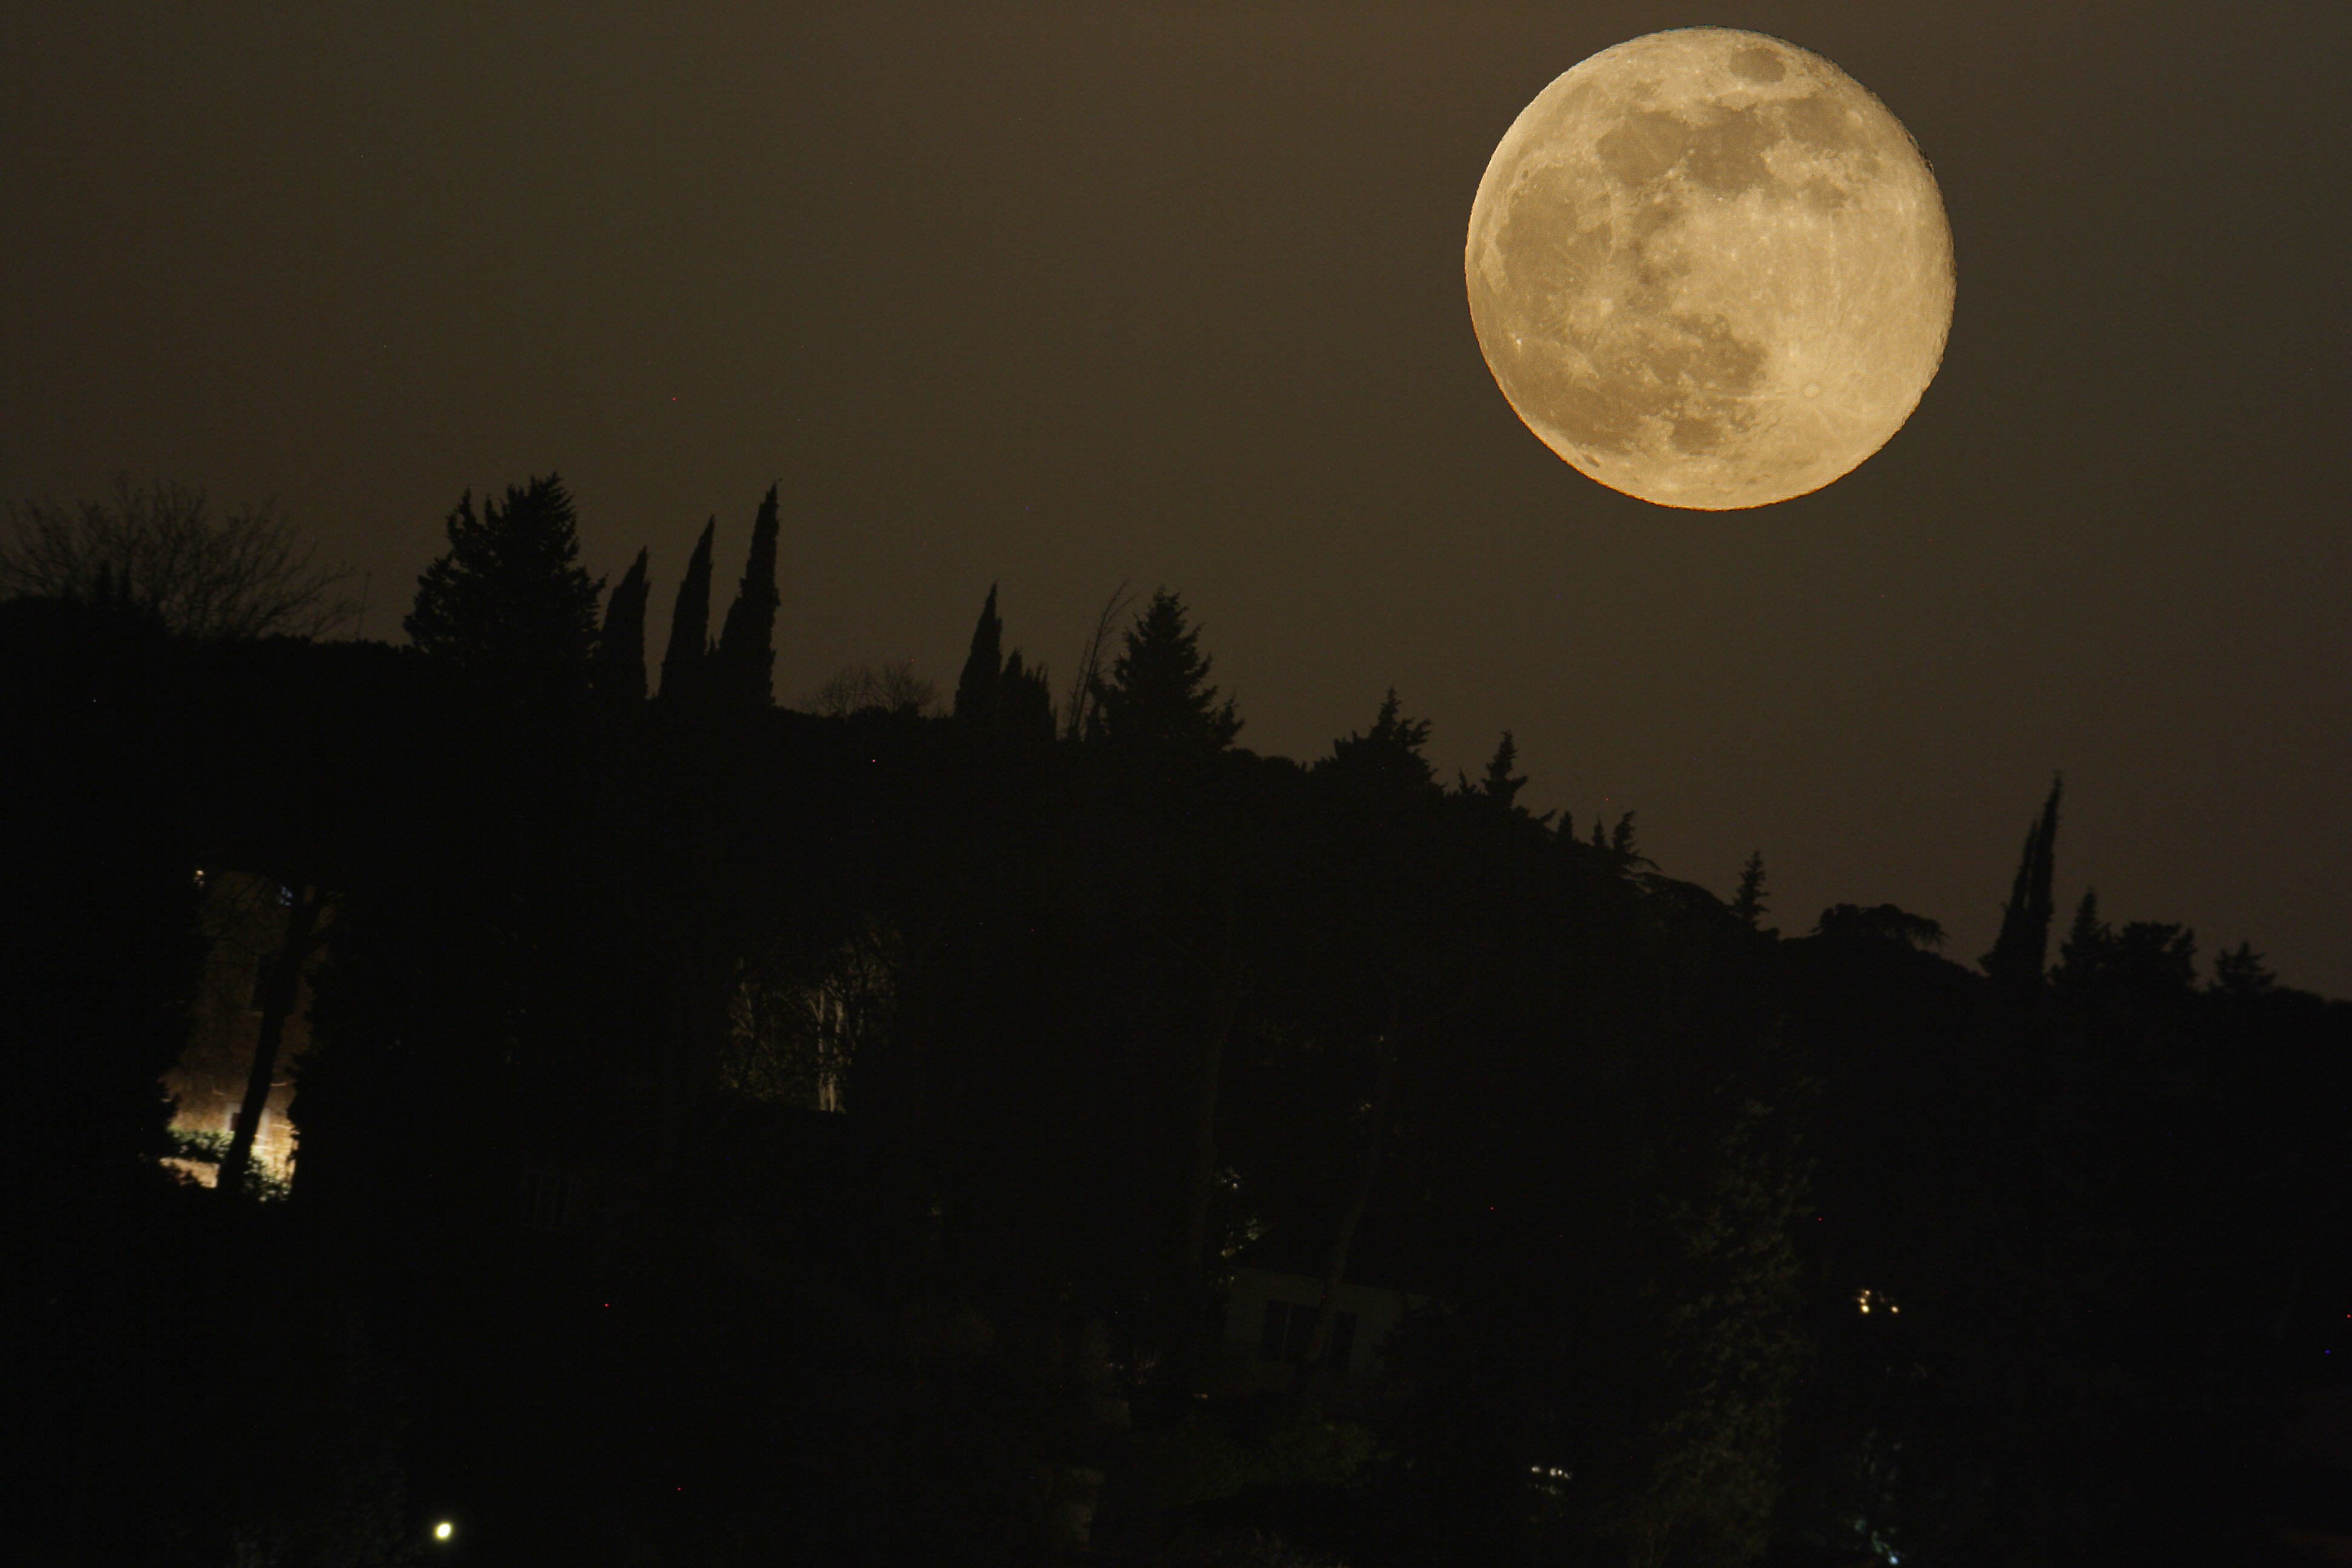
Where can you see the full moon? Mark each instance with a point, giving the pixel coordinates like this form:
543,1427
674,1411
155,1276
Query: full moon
1710,269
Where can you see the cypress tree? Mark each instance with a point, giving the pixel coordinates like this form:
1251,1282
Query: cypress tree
2088,942
976,690
689,625
2021,951
616,674
744,669
1024,702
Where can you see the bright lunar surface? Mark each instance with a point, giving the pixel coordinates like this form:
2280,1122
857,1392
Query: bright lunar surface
1710,269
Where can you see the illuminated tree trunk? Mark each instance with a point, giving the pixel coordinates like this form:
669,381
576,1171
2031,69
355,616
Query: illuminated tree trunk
279,991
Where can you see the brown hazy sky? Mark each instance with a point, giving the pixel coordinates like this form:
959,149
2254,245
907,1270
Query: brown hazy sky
1060,295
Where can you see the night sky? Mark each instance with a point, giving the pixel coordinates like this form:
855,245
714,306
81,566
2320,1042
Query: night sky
1063,296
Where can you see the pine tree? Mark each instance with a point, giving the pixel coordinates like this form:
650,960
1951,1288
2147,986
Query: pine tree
1159,696
616,674
2239,971
689,624
2021,951
976,691
743,670
507,604
1747,905
1498,785
1388,757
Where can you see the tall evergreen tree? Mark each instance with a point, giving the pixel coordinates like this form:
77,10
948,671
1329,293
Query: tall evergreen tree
507,604
745,667
2084,949
1159,694
689,627
2239,971
2021,951
1387,757
1024,702
1747,905
616,674
1498,785
976,690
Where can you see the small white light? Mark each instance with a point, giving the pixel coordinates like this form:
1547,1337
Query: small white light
441,1530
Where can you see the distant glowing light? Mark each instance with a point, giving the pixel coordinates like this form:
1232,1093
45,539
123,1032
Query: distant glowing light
441,1530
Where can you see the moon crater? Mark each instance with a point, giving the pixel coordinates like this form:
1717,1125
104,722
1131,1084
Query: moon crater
1709,269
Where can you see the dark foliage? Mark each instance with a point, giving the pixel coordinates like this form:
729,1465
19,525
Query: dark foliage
506,606
739,1135
743,664
1157,696
616,673
684,663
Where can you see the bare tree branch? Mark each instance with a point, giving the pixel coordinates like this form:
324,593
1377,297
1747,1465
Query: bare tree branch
854,687
160,549
1089,676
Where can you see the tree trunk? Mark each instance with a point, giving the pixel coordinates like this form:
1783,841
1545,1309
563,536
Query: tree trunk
278,992
1192,1277
1360,1193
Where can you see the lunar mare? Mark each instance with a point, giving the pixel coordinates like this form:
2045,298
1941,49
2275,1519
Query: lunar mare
1710,269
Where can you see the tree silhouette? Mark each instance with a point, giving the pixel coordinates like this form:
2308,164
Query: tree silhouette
893,687
2083,952
2239,971
617,672
1386,758
280,980
1157,696
1079,718
975,697
684,663
744,666
1497,785
2022,949
1621,843
241,573
508,605
1749,904
1024,702
1880,923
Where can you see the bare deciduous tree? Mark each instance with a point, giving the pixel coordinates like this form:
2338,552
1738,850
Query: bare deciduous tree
1080,708
894,688
244,572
